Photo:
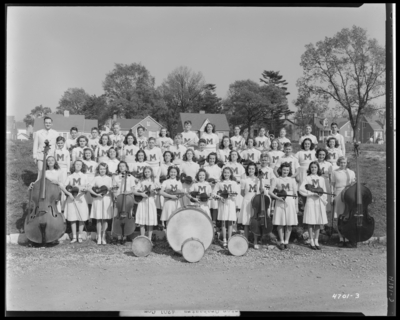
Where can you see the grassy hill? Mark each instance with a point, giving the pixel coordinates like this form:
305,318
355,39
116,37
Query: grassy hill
21,171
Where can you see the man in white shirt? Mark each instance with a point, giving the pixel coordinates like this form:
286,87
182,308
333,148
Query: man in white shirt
338,136
309,135
189,138
38,143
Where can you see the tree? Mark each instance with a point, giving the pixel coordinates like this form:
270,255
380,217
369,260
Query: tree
37,112
182,92
348,68
96,108
130,90
208,101
274,78
72,100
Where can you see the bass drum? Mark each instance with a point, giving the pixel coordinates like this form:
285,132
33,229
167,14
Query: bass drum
188,223
238,245
141,246
193,250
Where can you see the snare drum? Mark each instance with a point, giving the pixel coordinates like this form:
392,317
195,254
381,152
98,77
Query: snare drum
141,246
238,245
187,223
192,250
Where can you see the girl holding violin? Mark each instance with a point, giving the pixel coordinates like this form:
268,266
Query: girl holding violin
275,153
190,169
214,174
227,206
250,186
63,159
202,187
224,150
129,150
315,208
146,213
286,205
140,163
119,187
267,174
341,178
55,175
91,166
289,158
326,173
168,189
76,207
168,158
334,153
102,202
77,152
104,144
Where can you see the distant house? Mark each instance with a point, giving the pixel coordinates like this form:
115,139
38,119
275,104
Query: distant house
63,123
200,120
11,128
372,126
152,127
22,136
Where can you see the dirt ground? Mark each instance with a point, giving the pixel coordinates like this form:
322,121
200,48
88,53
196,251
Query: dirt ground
87,277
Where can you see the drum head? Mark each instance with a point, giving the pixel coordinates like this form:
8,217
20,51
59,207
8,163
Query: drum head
192,250
238,245
141,246
189,223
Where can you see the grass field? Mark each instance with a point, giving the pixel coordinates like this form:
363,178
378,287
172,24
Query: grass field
21,171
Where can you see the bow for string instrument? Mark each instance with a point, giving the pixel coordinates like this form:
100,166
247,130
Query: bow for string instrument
44,223
355,223
124,222
260,204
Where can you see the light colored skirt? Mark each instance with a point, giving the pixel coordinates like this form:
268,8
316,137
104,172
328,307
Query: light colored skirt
146,213
227,210
285,212
170,206
314,212
246,211
77,211
101,208
339,204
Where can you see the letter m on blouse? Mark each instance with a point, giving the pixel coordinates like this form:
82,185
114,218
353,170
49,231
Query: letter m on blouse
129,152
76,182
209,141
174,187
315,183
90,169
60,157
307,156
177,154
228,188
252,188
202,189
275,159
332,155
153,157
285,187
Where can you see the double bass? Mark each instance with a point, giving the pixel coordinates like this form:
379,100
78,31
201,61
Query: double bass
124,223
355,223
260,204
44,224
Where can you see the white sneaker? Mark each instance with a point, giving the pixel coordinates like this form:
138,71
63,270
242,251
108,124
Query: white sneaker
73,240
98,240
103,241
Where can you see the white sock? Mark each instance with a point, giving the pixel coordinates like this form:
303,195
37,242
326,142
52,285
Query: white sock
312,242
316,242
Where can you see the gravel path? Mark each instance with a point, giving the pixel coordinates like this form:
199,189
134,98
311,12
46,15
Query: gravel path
90,277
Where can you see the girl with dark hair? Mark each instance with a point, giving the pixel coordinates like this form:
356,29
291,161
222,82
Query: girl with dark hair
190,169
214,172
251,154
289,158
104,145
140,163
102,204
334,153
250,186
224,150
202,186
238,172
171,202
315,208
262,142
76,209
77,153
326,172
237,141
91,166
141,139
112,161
129,150
275,153
305,157
285,215
211,138
164,141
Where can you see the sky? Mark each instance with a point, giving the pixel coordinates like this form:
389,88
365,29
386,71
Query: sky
52,49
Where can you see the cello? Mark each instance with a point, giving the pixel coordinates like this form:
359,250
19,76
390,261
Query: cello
124,223
45,224
355,223
260,204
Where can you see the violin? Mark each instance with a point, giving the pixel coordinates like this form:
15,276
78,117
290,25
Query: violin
260,204
318,190
178,193
99,190
224,194
196,195
355,223
201,161
162,178
212,181
45,223
220,163
282,194
148,193
74,190
124,223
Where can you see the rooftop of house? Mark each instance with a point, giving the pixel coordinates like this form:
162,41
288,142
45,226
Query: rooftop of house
376,122
64,124
20,125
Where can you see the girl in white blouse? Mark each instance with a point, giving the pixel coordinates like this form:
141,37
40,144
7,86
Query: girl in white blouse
211,138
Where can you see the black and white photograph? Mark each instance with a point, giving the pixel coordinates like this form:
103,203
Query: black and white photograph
200,160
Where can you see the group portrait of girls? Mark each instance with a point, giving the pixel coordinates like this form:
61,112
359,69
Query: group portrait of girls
166,173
